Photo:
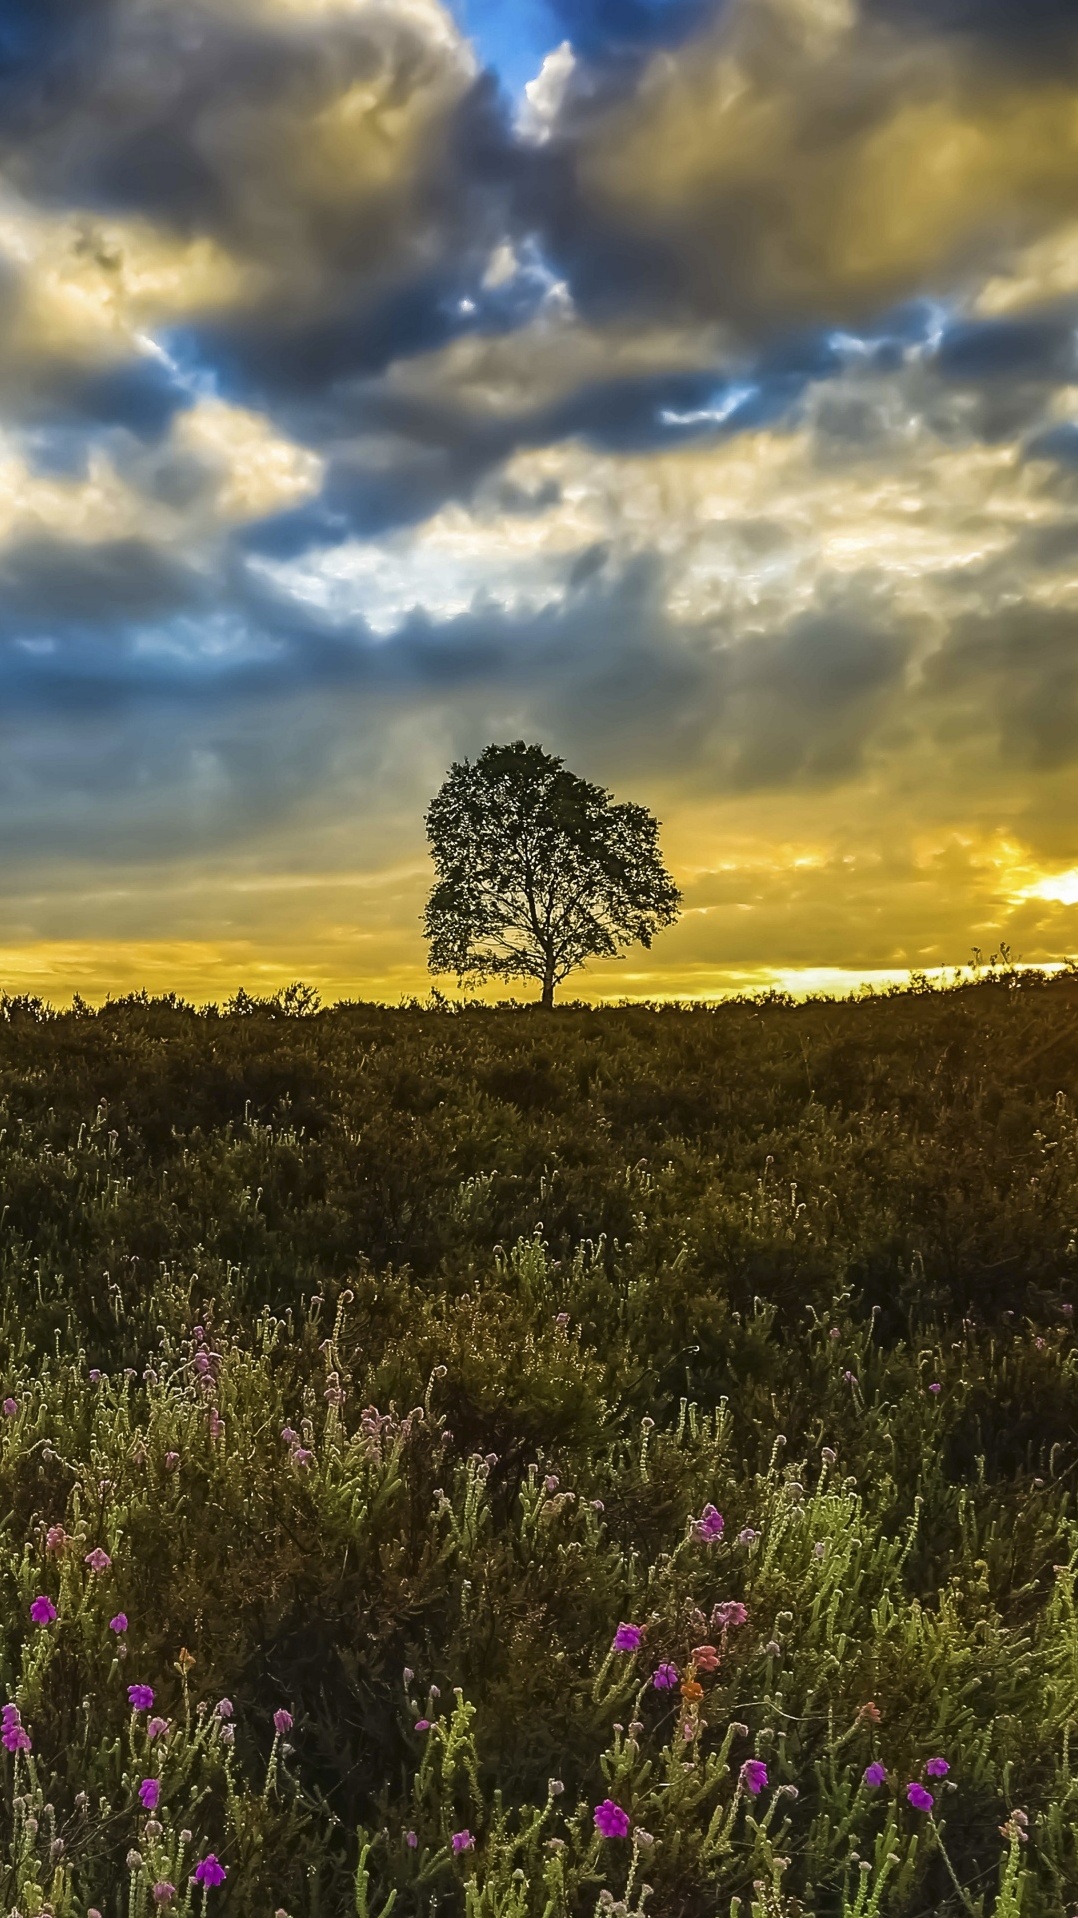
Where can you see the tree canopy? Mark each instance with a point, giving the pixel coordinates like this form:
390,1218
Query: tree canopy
538,871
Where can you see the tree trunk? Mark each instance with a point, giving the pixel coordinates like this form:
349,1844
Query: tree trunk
547,1000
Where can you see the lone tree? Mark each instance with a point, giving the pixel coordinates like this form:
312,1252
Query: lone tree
538,871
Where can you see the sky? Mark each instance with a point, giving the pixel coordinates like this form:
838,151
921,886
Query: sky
688,385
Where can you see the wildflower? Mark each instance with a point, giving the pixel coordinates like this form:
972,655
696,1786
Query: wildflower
918,1797
754,1776
422,1724
97,1560
875,1775
937,1768
149,1794
555,1786
289,1436
551,1482
935,1386
408,1674
141,1697
12,1734
56,1539
163,1892
157,1728
709,1525
643,1838
664,1677
747,1536
119,1623
94,1375
627,1638
730,1614
411,1840
210,1871
228,1734
462,1841
691,1692
224,1708
773,1648
871,1711
172,1459
11,1406
282,1721
42,1611
610,1820
705,1658
300,1455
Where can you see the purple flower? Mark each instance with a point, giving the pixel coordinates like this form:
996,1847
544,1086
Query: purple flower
610,1820
157,1728
730,1614
935,1386
224,1708
664,1677
462,1841
163,1892
875,1775
42,1611
754,1776
422,1724
747,1536
141,1697
97,1560
12,1735
119,1623
282,1722
627,1638
301,1455
210,1871
937,1768
11,1406
149,1794
919,1798
709,1525
411,1840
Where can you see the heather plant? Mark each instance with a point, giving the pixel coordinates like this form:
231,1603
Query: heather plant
442,1473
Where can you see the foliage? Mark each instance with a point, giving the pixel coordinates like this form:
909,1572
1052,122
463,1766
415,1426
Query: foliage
363,1376
538,871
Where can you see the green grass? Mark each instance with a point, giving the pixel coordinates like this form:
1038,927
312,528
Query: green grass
392,1359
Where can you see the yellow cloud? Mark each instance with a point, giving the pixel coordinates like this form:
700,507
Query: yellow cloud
802,161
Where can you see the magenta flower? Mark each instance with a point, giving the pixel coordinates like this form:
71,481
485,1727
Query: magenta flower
754,1776
12,1734
937,1768
875,1775
141,1697
918,1797
462,1841
709,1525
157,1728
210,1871
56,1539
97,1560
149,1794
42,1611
730,1614
163,1892
610,1820
119,1623
282,1722
11,1406
627,1638
422,1724
935,1386
665,1677
411,1839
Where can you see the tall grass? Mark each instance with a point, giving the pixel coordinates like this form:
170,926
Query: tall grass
540,1466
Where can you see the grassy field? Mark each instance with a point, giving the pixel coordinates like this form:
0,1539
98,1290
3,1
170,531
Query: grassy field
527,1466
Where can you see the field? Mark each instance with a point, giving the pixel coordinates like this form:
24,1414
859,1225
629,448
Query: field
524,1466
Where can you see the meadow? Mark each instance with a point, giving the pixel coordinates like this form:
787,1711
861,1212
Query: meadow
509,1465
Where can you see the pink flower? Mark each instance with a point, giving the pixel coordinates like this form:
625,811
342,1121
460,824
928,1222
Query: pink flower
172,1459
665,1677
918,1797
875,1775
56,1539
119,1623
11,1406
610,1820
730,1614
705,1658
627,1638
12,1735
210,1871
422,1724
149,1794
42,1611
163,1892
224,1708
462,1841
97,1560
935,1386
140,1697
411,1840
282,1722
754,1776
937,1768
157,1728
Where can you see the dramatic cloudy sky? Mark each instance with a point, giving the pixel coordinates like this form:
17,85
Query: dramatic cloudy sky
691,385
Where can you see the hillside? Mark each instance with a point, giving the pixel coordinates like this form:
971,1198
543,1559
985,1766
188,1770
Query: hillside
375,1366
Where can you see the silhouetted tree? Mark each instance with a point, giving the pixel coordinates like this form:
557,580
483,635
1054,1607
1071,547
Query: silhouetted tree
538,871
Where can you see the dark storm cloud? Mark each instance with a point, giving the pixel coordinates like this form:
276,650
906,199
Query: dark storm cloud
1016,672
